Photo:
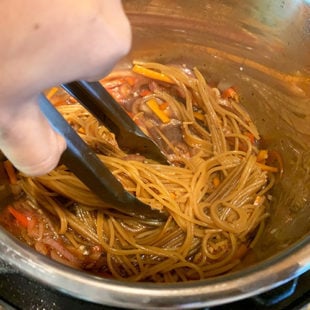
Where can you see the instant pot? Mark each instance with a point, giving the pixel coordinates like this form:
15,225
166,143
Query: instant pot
262,48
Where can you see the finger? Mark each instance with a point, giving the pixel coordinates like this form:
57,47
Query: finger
29,142
109,39
52,47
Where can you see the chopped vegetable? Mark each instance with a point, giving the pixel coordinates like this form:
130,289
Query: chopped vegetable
262,156
216,181
82,130
154,106
164,106
258,200
145,92
230,93
51,92
273,158
130,80
10,170
20,217
267,168
152,74
199,116
251,136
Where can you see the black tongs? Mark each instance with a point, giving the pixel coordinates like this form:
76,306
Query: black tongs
83,161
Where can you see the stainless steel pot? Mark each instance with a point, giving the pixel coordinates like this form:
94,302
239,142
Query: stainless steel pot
262,47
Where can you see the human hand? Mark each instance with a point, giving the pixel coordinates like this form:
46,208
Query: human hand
43,44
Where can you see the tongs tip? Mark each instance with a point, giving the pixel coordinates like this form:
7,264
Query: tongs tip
86,165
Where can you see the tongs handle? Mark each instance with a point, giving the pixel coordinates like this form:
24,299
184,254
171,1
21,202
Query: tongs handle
97,100
85,164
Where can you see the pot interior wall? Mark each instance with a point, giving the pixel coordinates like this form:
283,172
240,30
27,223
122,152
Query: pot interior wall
262,49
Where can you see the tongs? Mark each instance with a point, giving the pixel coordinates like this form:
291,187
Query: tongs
83,161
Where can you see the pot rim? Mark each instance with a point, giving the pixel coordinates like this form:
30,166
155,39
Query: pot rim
245,283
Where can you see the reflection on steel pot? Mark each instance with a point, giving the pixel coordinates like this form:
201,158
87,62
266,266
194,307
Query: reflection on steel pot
262,47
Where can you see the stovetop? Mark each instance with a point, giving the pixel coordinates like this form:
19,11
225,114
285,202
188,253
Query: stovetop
19,292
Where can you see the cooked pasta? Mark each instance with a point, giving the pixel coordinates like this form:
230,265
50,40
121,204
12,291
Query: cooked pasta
215,189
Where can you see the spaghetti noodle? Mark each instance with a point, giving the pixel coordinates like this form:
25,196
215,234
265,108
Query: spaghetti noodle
215,190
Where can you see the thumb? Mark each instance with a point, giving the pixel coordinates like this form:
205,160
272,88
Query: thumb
28,141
